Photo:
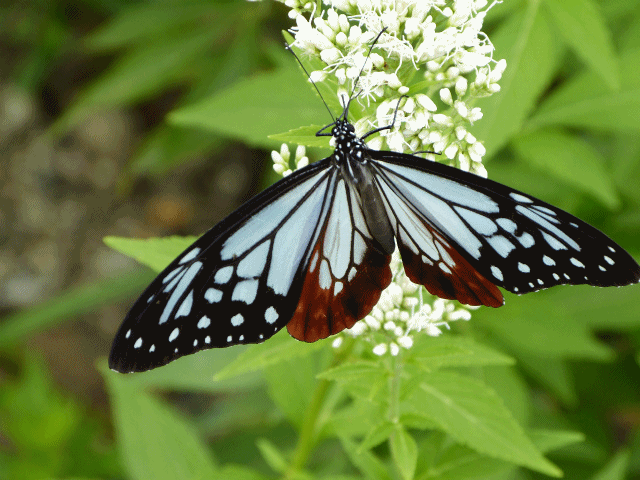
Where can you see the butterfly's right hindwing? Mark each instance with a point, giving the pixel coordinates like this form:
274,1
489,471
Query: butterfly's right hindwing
238,283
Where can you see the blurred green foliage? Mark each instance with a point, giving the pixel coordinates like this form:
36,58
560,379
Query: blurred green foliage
553,373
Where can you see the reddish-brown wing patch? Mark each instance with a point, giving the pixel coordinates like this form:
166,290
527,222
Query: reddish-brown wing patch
447,274
328,305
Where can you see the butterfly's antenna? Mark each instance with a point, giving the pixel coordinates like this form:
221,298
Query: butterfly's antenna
387,127
288,47
373,44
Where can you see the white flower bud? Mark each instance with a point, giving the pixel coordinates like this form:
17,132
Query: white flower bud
461,86
394,349
426,102
451,151
341,39
330,55
317,76
445,96
380,349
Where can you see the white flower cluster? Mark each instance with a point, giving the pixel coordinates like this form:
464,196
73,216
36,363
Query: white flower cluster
400,312
281,159
440,39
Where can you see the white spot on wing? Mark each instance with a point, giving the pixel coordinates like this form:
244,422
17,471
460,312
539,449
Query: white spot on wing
548,261
128,334
184,282
185,307
207,339
138,343
152,348
479,223
270,316
223,275
174,334
520,198
337,239
314,260
523,267
172,274
507,224
213,295
324,278
526,240
577,262
229,338
608,260
245,291
444,268
253,264
553,242
496,272
190,256
204,322
352,274
501,245
556,276
337,288
237,320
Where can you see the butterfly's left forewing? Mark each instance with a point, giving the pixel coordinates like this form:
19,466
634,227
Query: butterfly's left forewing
480,233
239,283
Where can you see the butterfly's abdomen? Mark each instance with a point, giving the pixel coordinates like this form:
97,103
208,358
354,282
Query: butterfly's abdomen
373,208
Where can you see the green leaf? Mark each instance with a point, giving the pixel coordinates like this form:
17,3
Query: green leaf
377,435
156,253
303,136
584,28
139,74
360,378
553,373
532,324
404,452
291,384
280,348
237,472
138,23
154,442
475,415
586,101
457,462
72,302
272,455
365,461
548,440
616,469
431,353
572,160
239,111
533,54
354,371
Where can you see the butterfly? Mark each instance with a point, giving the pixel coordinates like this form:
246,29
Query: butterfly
312,253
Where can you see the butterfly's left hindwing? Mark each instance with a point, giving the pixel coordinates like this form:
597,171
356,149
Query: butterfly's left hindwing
460,235
239,283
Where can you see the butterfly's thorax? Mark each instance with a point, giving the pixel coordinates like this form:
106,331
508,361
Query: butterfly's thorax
351,155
